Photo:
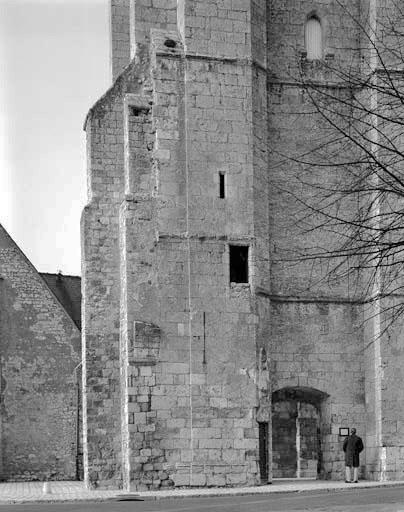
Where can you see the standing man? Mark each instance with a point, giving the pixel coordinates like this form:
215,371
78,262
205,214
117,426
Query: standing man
352,447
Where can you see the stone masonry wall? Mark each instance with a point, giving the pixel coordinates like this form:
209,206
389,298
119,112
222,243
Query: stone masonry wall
120,36
196,412
286,35
131,22
40,348
147,15
214,332
316,329
392,373
216,28
293,132
187,417
179,362
319,346
382,340
260,268
383,372
101,289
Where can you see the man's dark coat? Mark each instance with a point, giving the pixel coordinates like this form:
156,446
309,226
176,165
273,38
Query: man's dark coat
352,447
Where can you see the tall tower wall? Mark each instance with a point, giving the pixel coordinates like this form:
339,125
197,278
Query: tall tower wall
316,334
323,336
130,25
184,352
183,125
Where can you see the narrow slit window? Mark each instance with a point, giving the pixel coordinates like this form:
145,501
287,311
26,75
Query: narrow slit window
314,39
238,264
222,185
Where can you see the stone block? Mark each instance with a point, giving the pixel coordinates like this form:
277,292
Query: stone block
198,480
180,480
236,479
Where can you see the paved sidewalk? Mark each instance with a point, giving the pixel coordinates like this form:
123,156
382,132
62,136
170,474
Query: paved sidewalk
20,492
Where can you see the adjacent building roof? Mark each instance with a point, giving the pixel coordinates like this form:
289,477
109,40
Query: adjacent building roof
67,289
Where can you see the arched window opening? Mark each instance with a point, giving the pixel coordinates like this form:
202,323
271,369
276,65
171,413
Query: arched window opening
314,36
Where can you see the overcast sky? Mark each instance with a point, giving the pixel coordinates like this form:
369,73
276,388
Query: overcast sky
54,58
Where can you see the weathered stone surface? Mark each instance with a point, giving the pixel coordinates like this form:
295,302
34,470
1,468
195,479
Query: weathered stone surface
40,350
180,364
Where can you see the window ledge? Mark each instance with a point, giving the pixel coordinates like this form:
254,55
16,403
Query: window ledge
239,285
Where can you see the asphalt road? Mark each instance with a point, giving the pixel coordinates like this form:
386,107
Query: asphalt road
360,500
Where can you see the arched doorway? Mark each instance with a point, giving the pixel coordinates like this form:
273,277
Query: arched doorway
296,434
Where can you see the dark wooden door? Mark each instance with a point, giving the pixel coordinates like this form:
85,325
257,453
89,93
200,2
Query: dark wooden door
263,447
284,462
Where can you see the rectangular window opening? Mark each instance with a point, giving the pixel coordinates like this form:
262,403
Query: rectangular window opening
238,263
138,111
222,192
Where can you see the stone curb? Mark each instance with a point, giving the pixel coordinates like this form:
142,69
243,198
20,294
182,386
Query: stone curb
214,493
217,493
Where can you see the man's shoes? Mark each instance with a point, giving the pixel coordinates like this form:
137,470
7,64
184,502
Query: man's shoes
348,482
355,482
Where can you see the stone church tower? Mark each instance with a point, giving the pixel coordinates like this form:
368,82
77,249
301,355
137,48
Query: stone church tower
205,362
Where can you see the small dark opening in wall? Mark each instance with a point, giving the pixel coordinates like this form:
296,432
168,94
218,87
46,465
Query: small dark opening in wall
138,111
238,263
222,191
170,43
